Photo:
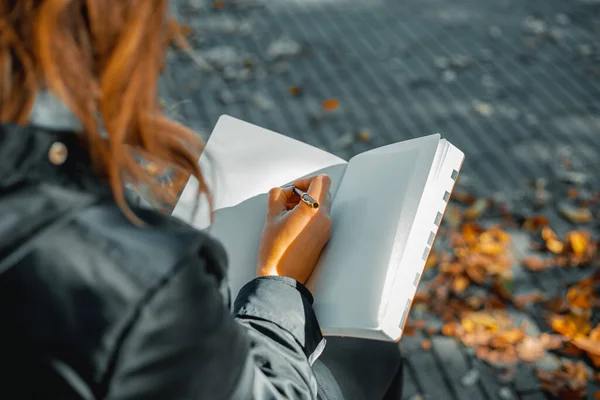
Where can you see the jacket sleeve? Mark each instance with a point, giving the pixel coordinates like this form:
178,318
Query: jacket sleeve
183,343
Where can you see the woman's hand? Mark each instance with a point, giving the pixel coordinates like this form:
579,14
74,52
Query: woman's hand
295,234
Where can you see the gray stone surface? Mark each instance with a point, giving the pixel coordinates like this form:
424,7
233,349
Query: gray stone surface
512,83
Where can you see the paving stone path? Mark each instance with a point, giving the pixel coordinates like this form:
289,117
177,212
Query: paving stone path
514,83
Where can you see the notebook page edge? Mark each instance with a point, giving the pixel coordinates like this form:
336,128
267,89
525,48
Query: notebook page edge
227,133
454,159
399,250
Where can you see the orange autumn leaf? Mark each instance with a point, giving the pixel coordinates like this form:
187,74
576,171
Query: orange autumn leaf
432,260
451,329
502,357
578,241
552,341
534,263
463,197
471,231
597,395
572,193
508,337
555,245
557,305
460,284
219,4
548,233
579,215
409,330
452,268
330,104
420,324
294,90
530,349
535,223
452,217
580,297
591,347
524,299
491,248
476,209
570,325
426,345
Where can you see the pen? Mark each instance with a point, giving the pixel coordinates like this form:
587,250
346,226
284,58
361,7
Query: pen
306,199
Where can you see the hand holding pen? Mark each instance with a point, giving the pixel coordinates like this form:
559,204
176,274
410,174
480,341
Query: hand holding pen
295,230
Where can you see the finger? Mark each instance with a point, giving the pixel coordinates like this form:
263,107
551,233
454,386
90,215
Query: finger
279,199
319,188
304,184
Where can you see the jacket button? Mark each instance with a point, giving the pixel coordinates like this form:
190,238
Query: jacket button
58,153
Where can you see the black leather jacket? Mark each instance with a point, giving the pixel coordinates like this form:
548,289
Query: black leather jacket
92,306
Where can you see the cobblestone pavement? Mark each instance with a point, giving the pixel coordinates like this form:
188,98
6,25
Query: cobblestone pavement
514,83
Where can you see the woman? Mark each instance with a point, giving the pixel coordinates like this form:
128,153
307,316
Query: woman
102,299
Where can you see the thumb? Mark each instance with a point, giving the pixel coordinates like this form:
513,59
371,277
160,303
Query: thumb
278,199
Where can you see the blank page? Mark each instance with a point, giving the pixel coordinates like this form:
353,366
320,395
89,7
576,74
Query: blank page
246,161
242,160
375,204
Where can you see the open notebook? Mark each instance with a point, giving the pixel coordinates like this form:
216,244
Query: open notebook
387,204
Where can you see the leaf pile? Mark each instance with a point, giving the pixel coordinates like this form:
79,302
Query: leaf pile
576,249
472,290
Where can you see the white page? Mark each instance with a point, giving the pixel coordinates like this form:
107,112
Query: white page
246,161
242,160
375,204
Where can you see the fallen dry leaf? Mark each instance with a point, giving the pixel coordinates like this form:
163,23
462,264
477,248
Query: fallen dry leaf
507,338
432,259
503,288
460,284
452,329
578,241
597,395
409,330
463,197
570,325
471,231
330,104
295,91
452,268
578,215
555,245
557,305
475,302
420,324
530,349
572,193
363,135
476,209
525,299
548,233
535,223
591,347
568,382
219,4
580,297
552,341
534,263
503,357
477,338
452,216
426,345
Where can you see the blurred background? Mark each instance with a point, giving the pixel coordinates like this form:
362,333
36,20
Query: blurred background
515,84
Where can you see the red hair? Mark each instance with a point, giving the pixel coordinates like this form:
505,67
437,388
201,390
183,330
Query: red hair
102,58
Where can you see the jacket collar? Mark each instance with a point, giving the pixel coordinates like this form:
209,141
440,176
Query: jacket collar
30,154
